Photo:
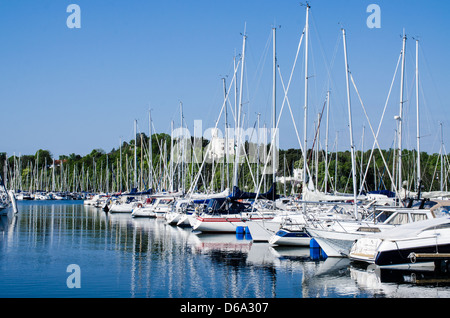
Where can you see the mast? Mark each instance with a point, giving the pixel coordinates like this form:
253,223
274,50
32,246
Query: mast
182,149
150,152
226,134
326,143
352,146
442,159
362,161
235,92
305,149
135,156
316,151
400,118
238,127
274,115
417,124
171,157
120,174
257,150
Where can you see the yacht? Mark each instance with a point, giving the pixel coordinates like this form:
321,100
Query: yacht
407,246
337,238
225,215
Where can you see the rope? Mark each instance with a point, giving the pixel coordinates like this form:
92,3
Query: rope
375,136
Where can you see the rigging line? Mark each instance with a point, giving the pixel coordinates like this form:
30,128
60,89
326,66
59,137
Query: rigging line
381,119
437,161
317,36
260,66
191,188
292,116
427,68
271,149
286,99
317,131
371,128
246,156
384,168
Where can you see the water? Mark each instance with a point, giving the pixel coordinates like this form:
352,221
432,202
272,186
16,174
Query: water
123,257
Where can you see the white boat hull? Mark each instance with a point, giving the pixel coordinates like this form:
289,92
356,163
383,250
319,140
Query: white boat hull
184,220
172,218
292,239
406,246
143,212
262,230
217,224
227,223
334,243
121,208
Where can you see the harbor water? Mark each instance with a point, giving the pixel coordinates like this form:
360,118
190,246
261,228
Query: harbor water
63,249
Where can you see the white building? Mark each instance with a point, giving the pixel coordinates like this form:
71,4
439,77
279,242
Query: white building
297,178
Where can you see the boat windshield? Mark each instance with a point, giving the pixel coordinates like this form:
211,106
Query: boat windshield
406,217
380,216
224,206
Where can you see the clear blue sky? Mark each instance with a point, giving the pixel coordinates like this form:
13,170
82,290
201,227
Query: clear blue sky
73,90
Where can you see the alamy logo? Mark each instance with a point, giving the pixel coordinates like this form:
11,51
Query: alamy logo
374,20
74,19
74,279
255,145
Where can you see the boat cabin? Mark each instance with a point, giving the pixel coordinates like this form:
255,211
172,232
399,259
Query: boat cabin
227,206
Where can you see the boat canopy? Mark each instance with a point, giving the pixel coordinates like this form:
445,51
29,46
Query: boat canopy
237,194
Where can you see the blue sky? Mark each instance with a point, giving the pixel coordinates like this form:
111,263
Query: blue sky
73,90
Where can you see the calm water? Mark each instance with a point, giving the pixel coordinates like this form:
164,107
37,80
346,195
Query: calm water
119,256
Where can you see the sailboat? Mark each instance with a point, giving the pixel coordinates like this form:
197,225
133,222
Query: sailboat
7,199
227,214
337,239
186,208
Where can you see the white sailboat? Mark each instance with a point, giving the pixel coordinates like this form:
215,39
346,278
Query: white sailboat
7,199
336,240
226,214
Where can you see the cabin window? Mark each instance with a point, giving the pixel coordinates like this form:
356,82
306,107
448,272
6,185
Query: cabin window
418,217
400,218
383,216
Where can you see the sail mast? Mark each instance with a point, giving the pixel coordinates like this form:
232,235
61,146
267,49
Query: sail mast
400,118
238,127
227,174
182,166
135,156
150,152
326,143
305,149
441,154
274,144
352,146
417,112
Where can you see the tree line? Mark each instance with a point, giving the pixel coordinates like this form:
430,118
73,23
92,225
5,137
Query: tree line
129,167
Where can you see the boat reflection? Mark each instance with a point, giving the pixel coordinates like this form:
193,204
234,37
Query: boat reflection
424,283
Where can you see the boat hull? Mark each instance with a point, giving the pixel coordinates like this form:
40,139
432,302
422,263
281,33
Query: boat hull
172,218
290,238
334,243
217,224
225,224
184,220
262,230
143,212
403,252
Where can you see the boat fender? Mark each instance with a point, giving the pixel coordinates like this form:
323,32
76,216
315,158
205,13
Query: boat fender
412,256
